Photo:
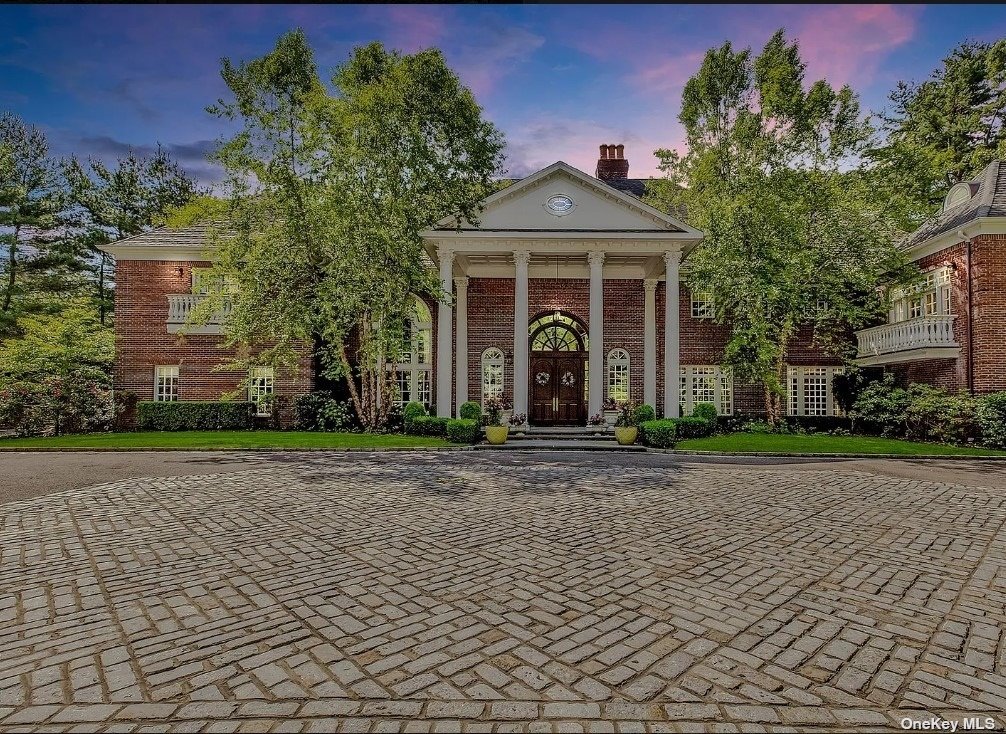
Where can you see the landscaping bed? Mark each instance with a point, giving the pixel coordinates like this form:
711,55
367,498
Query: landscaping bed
819,443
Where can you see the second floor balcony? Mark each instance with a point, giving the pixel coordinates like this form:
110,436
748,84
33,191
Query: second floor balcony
180,308
922,337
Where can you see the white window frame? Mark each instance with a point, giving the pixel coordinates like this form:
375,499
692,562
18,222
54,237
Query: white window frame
702,305
722,387
166,383
493,373
203,283
798,378
415,374
932,297
619,375
261,382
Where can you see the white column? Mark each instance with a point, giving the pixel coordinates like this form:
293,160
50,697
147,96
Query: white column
595,349
521,258
672,358
461,361
444,335
650,343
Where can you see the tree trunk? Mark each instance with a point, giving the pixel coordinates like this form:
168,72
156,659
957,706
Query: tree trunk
354,394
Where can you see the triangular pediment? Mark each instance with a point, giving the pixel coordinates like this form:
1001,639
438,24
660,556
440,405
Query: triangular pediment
563,198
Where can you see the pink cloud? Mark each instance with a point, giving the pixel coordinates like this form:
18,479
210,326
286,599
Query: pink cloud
668,75
845,44
411,28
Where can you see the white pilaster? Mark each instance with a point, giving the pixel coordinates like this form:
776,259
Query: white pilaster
521,258
672,355
444,335
461,361
650,343
595,359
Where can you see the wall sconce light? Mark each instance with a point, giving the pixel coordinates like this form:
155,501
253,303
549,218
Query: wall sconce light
181,271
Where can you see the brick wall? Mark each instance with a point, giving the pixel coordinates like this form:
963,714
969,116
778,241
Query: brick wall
142,341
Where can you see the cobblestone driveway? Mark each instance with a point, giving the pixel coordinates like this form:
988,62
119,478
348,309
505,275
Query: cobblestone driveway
447,591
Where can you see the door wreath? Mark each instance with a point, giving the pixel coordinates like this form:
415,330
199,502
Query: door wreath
568,380
542,378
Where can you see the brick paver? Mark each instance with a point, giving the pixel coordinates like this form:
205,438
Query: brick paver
420,592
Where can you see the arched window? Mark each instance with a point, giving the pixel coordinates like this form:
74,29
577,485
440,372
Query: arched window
413,370
618,375
492,373
557,332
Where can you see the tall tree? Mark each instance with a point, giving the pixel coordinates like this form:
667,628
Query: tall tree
774,177
116,202
944,130
37,261
328,194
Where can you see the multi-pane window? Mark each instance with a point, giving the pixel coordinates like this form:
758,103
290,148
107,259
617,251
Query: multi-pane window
702,305
204,282
706,384
809,391
492,373
618,375
166,383
931,297
413,370
261,385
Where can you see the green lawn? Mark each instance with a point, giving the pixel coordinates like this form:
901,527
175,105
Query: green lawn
824,444
226,440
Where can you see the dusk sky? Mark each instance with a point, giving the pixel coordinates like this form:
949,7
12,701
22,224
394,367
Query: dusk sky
557,79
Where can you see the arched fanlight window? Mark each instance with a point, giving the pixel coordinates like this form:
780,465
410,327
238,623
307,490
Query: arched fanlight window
557,332
618,375
414,369
492,373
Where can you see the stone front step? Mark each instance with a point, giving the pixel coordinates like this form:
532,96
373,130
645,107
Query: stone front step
560,444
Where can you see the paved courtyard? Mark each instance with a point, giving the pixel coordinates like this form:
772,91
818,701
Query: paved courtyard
477,592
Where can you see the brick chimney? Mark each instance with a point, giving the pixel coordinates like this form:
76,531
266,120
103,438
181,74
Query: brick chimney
612,163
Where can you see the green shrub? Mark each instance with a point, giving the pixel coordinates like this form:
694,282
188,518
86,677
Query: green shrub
195,415
644,413
880,408
706,411
320,411
464,430
470,410
414,409
694,427
426,425
992,420
660,434
940,416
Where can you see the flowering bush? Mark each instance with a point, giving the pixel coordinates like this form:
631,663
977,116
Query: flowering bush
518,419
596,420
627,414
609,404
492,414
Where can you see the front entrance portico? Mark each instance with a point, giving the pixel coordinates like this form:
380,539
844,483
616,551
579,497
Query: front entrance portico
558,359
560,240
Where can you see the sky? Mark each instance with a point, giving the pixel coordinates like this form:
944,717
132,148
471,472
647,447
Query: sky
559,80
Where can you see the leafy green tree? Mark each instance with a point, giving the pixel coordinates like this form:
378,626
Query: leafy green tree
38,263
773,175
944,130
55,377
328,194
116,202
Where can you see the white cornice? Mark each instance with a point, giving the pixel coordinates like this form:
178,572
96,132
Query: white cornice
974,228
179,253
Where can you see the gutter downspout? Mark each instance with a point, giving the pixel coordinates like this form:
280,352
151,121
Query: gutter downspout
971,320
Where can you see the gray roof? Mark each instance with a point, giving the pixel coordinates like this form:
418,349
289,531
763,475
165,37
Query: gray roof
194,235
988,199
634,186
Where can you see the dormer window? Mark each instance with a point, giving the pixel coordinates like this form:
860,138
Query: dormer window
958,194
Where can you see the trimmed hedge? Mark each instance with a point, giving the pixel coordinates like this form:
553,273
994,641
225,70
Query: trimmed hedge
644,413
464,430
470,410
413,409
195,415
426,425
705,411
660,434
693,427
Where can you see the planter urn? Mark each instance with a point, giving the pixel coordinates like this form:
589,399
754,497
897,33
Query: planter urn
496,435
626,435
610,416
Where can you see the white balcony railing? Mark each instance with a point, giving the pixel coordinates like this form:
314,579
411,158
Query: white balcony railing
180,308
921,333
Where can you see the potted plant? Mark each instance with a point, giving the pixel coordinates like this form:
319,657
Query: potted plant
492,417
626,430
596,422
507,407
610,411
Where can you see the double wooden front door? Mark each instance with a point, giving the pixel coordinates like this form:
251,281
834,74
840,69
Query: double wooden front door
557,389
